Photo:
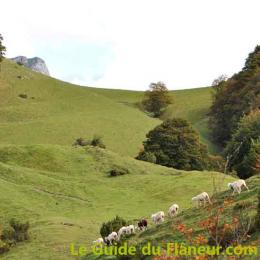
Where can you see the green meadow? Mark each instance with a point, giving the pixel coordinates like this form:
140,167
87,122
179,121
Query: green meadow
56,112
50,185
65,192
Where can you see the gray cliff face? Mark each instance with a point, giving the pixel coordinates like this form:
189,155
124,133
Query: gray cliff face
35,64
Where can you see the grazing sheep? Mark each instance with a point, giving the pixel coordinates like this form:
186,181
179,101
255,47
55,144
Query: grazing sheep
111,238
122,231
202,197
236,186
173,210
130,229
142,224
158,217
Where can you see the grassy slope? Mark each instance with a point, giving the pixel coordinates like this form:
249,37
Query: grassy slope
61,112
57,112
52,182
49,185
190,217
191,104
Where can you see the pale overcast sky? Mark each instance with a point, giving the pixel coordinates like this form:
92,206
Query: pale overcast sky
127,44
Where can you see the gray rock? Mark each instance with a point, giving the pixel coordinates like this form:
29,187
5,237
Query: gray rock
35,64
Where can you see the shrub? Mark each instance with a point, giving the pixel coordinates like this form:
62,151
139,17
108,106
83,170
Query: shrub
16,232
20,230
23,96
257,217
4,247
97,141
112,225
81,142
242,205
118,172
8,235
227,238
147,157
216,163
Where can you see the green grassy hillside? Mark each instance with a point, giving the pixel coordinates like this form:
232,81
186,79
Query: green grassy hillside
50,185
191,217
56,112
64,191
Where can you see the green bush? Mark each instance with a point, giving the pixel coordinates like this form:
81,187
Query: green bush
242,205
147,157
81,142
118,172
175,144
4,247
216,163
20,230
97,141
16,232
23,96
8,234
112,225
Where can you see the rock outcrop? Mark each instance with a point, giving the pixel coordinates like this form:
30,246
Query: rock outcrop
35,64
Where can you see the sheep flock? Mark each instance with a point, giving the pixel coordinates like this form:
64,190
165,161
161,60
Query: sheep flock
157,218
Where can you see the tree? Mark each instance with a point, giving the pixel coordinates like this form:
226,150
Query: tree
234,98
2,50
156,99
218,83
175,144
246,142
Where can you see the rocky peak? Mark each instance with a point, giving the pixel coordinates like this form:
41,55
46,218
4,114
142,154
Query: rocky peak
36,64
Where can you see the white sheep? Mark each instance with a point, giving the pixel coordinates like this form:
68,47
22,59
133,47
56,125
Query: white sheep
122,231
130,229
158,217
202,197
111,238
173,210
236,186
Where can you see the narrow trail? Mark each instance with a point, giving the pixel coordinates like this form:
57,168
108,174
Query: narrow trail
60,195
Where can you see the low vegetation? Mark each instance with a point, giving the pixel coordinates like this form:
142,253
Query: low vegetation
49,185
15,232
96,142
112,225
116,171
